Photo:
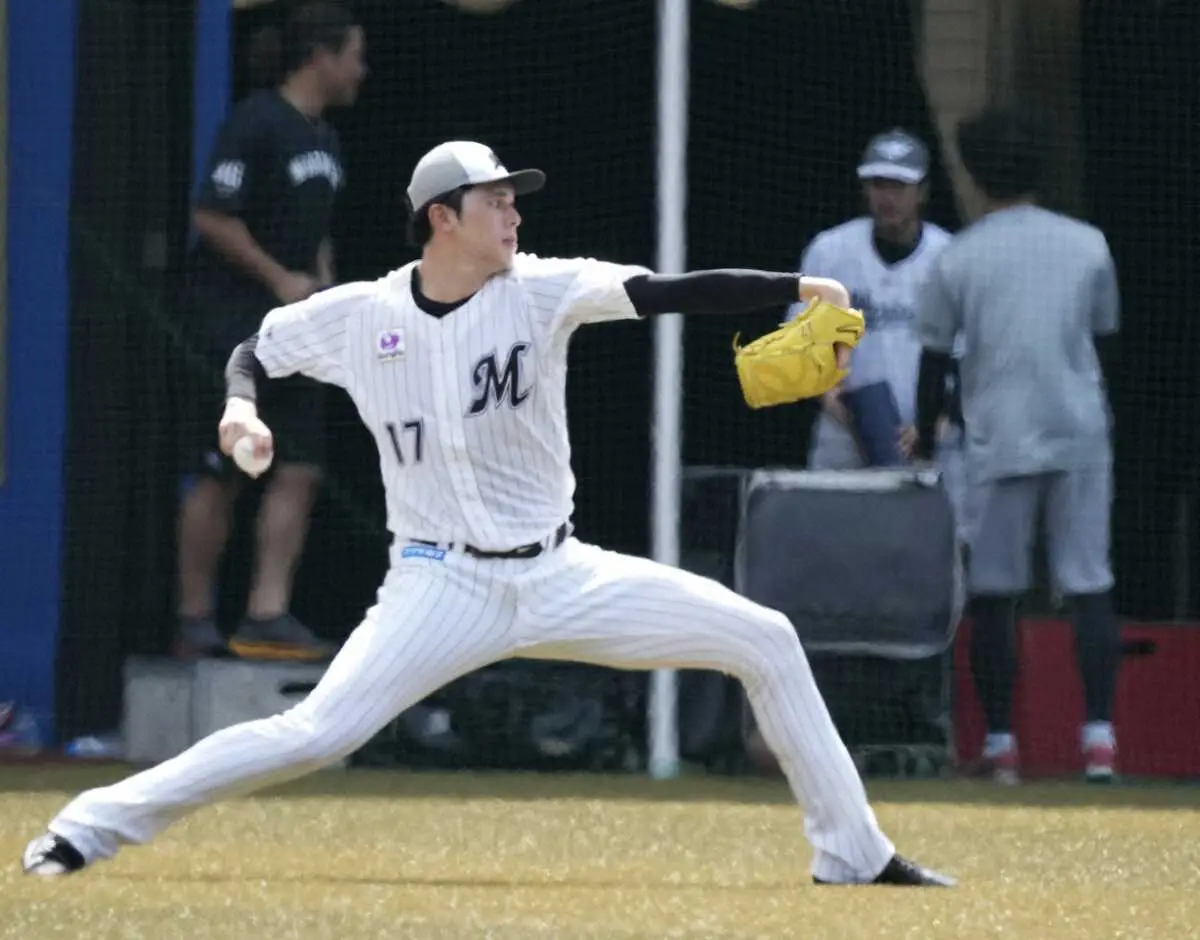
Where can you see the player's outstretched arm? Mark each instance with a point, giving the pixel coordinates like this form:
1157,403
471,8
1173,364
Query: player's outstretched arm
728,290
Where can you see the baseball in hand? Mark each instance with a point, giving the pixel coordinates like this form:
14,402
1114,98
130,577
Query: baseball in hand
247,460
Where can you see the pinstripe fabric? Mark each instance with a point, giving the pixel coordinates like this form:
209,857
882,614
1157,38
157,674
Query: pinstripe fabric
432,623
601,607
496,479
496,476
437,620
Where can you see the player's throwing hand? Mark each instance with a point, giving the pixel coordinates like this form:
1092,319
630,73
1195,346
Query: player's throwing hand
241,420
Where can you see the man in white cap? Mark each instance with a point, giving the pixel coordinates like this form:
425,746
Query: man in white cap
882,258
457,364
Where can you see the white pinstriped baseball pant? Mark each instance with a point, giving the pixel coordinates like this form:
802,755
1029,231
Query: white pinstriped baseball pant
436,620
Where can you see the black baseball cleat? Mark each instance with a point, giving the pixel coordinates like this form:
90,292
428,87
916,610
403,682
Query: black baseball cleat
50,856
901,871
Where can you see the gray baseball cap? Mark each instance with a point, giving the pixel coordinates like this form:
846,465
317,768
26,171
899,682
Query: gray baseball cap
465,163
895,155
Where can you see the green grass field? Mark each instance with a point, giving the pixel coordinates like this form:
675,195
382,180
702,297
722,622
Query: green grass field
380,854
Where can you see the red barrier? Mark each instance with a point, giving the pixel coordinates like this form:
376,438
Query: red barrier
1157,715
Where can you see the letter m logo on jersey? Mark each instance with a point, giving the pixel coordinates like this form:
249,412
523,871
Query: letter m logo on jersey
493,382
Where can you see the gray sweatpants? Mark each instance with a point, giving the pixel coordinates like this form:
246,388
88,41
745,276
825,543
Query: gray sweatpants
1075,507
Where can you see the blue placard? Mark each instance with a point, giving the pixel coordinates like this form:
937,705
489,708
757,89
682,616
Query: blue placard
877,424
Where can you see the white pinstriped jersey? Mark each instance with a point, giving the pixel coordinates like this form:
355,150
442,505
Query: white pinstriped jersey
468,410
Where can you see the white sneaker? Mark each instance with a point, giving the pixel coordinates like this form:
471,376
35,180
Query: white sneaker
998,761
1099,752
1100,763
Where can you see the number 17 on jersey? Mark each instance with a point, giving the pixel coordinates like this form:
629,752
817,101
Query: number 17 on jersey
407,438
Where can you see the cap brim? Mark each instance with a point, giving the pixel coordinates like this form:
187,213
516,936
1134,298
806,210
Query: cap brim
524,182
890,171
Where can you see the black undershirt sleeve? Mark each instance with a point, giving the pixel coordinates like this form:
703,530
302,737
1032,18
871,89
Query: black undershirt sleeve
243,372
931,398
727,290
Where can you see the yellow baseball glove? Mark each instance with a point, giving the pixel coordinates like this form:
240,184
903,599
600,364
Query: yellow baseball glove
798,360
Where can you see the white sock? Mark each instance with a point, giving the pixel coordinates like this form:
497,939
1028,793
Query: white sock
1098,734
998,743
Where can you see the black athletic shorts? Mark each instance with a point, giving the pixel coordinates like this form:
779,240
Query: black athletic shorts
292,407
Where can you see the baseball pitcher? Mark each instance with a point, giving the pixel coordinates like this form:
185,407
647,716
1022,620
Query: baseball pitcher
457,365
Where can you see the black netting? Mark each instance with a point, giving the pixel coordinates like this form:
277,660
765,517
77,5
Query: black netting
783,97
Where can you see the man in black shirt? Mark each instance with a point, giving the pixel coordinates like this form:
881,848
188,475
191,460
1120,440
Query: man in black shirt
262,220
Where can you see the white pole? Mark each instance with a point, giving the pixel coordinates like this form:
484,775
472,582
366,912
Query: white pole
668,348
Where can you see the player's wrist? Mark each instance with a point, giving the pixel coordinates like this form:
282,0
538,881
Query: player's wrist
241,406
